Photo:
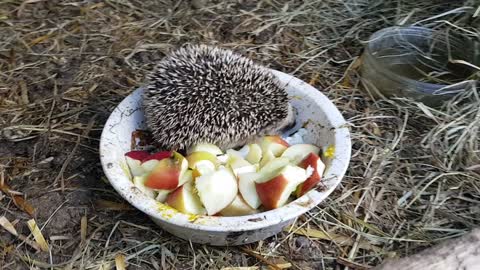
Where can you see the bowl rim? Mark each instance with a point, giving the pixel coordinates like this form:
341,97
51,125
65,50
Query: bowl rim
292,210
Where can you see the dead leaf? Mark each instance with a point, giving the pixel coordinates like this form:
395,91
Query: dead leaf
120,262
337,238
7,225
37,234
24,92
109,205
83,229
21,203
39,40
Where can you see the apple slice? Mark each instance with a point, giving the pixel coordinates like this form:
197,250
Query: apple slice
217,190
267,155
185,200
313,162
238,164
274,192
134,161
139,182
298,152
254,153
168,173
202,162
275,144
246,186
152,160
274,165
206,147
162,195
238,208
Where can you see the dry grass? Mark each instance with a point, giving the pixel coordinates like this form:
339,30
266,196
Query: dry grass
64,65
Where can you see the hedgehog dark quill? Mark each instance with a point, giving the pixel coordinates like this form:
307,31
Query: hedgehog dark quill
206,94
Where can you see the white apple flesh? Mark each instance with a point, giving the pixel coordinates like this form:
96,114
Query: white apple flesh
254,153
149,163
185,200
217,190
237,208
246,186
274,144
206,147
134,162
298,152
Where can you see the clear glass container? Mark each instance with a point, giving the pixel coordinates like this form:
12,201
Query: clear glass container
419,63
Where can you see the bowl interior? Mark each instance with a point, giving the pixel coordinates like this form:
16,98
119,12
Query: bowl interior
326,128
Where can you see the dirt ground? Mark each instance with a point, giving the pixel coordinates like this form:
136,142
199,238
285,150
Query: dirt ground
65,65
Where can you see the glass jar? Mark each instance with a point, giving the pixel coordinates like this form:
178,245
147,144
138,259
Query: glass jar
419,63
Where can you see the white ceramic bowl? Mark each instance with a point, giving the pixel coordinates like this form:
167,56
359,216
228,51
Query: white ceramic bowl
326,128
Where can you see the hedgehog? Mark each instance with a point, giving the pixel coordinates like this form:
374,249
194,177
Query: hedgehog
206,94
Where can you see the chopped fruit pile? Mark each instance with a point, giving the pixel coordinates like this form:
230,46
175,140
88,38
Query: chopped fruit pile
257,177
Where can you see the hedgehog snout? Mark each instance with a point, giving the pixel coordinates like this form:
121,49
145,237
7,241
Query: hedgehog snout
282,125
289,121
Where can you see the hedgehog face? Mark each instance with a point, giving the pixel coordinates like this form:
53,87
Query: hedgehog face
283,125
204,94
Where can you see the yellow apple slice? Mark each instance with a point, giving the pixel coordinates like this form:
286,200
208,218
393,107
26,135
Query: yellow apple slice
274,165
239,165
274,192
238,208
246,186
298,152
202,162
254,153
206,147
217,190
185,200
267,155
275,144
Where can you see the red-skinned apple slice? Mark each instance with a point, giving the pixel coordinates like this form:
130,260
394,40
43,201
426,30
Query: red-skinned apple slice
139,182
313,161
162,194
134,161
202,162
168,173
217,190
246,186
246,182
298,152
275,144
148,163
254,153
185,200
274,192
238,208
